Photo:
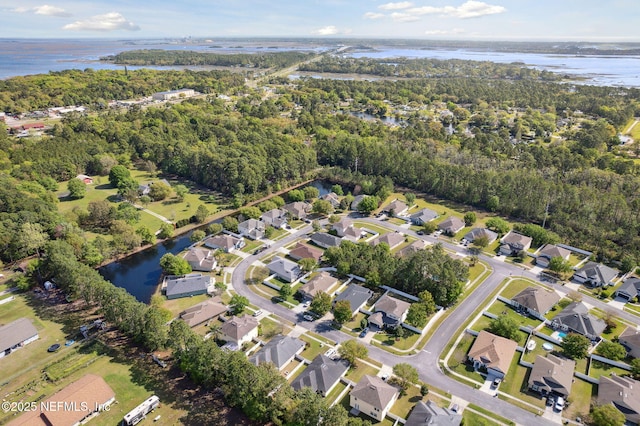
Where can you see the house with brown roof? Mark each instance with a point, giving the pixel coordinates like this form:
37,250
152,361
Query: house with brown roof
16,335
225,242
552,375
321,283
623,393
332,198
347,230
91,391
493,353
275,217
203,312
550,251
513,243
392,239
303,251
373,397
630,339
200,259
393,312
298,209
535,301
429,414
239,330
451,225
412,248
396,208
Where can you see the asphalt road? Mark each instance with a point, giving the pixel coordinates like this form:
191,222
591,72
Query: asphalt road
427,360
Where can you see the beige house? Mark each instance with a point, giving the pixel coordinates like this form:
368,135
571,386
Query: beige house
203,312
549,252
513,243
240,330
321,283
373,397
493,353
535,301
552,375
392,239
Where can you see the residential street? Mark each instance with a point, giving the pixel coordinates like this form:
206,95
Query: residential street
427,361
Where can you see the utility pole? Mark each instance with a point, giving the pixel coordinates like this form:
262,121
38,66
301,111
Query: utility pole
356,164
546,212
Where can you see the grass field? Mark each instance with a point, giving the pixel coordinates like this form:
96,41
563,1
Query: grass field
403,343
501,308
313,349
405,403
580,399
355,374
516,383
515,286
175,306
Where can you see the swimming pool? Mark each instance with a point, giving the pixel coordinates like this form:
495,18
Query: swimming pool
562,334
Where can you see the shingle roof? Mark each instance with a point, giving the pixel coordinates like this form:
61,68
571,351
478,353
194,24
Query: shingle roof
429,414
630,286
415,246
424,215
356,295
396,205
480,232
451,224
278,351
16,332
536,299
550,251
597,272
392,239
273,214
342,226
283,266
222,241
494,351
200,259
391,305
577,318
318,284
623,393
202,312
517,241
297,208
238,327
303,251
187,284
553,374
374,391
321,374
322,238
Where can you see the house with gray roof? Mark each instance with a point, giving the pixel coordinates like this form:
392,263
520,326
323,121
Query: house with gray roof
552,375
513,243
623,393
412,248
356,295
576,318
321,283
285,269
595,275
373,397
550,251
240,330
275,217
423,216
429,414
188,285
392,239
203,312
536,301
475,233
200,259
332,198
325,240
451,225
279,351
225,242
394,311
298,209
356,201
629,289
347,230
630,339
16,335
252,229
322,375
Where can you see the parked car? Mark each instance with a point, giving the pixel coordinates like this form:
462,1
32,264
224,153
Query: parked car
257,313
455,408
54,347
559,404
496,383
308,317
420,232
364,332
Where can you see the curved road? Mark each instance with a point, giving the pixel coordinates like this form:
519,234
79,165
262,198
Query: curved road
427,360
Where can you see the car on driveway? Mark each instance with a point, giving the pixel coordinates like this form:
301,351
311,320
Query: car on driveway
308,317
559,404
496,383
257,313
364,332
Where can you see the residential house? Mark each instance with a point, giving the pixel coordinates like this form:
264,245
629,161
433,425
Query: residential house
185,286
392,312
298,209
392,239
201,259
536,301
285,269
252,229
203,312
145,188
356,295
475,233
423,216
412,248
550,251
356,201
325,240
173,94
623,393
16,335
303,251
347,230
451,226
595,275
429,414
630,339
88,180
493,353
322,375
279,351
396,208
239,330
275,217
513,243
321,283
90,391
373,397
332,198
629,289
576,318
552,375
225,242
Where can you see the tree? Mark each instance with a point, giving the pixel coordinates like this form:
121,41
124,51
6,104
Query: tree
417,315
118,174
407,375
337,189
174,265
285,291
334,219
429,227
493,203
424,389
498,225
77,188
214,229
613,351
368,204
181,191
575,345
342,311
230,223
145,200
201,213
278,201
352,350
410,197
250,212
320,304
505,326
481,242
238,303
295,195
322,207
607,415
101,213
310,192
159,191
197,235
628,264
166,230
316,226
308,264
635,368
32,238
559,265
469,218
147,236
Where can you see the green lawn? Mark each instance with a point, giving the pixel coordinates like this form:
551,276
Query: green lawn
335,392
531,356
598,369
370,226
516,286
397,221
458,357
483,323
406,342
354,324
580,399
404,404
501,308
313,348
251,245
175,306
515,383
270,328
476,270
632,308
355,374
474,419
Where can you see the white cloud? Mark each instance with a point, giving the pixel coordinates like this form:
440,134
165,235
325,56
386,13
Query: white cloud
445,32
328,30
108,22
469,9
45,9
373,15
396,6
404,17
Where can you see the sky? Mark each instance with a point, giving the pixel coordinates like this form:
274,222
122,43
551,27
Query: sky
517,20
